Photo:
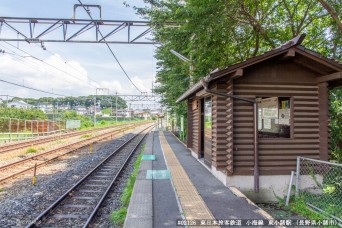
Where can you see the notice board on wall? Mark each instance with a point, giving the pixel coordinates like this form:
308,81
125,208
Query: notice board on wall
269,108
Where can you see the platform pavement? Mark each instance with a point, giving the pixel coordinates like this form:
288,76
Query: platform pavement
154,202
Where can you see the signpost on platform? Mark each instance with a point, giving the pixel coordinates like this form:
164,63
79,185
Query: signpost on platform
182,127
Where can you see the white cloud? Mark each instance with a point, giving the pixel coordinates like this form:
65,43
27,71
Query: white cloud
56,76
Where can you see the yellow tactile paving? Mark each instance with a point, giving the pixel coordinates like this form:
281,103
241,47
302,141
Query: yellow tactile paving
191,202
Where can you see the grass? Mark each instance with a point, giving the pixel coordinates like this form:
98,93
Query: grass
118,217
31,150
299,206
86,136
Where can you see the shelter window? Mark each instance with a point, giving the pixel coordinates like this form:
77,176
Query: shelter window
274,117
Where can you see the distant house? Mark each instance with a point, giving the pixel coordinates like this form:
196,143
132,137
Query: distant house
98,110
81,110
143,114
64,107
19,104
155,112
120,113
129,113
45,107
125,113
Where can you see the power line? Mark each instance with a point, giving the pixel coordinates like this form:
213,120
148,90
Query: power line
111,51
28,87
16,55
64,61
50,65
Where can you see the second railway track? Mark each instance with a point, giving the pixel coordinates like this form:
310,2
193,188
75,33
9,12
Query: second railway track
18,168
19,145
78,206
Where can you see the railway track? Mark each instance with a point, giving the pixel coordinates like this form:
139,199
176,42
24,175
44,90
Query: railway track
28,143
78,206
18,168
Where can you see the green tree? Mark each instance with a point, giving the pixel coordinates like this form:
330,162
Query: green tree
218,33
336,124
29,114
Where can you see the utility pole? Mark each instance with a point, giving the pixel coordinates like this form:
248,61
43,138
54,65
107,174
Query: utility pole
95,110
116,107
111,106
100,89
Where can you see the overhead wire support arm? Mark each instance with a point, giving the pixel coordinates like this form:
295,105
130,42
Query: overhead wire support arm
87,8
111,51
70,30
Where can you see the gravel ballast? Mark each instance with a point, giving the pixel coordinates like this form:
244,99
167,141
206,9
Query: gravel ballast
21,202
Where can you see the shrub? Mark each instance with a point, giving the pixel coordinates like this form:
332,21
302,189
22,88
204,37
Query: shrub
31,150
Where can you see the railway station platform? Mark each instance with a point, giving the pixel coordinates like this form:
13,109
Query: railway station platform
175,189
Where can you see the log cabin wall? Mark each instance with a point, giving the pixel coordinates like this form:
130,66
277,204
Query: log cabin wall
229,129
219,127
190,124
194,126
277,156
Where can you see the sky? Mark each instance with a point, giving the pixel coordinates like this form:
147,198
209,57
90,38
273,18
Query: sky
72,69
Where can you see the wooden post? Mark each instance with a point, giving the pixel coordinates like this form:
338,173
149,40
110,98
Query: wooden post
34,179
91,147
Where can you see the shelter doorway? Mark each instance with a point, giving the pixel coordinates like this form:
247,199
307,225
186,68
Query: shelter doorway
202,129
207,123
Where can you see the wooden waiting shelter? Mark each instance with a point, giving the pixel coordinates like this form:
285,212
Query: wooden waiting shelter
250,121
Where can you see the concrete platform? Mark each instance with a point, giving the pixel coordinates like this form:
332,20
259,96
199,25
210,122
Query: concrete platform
153,202
192,193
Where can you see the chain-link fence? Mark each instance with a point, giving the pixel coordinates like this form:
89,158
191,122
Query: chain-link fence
319,184
13,129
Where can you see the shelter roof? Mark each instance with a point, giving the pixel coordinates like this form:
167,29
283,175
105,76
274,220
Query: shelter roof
287,50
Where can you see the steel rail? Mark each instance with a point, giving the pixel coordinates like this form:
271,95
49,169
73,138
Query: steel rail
5,146
92,215
26,143
81,181
85,142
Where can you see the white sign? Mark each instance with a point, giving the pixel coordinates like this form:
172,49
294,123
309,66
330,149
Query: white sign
267,124
284,116
270,108
259,119
182,123
73,124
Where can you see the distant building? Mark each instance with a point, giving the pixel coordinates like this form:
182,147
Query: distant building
142,114
98,110
155,112
127,113
81,110
45,107
64,107
19,104
120,113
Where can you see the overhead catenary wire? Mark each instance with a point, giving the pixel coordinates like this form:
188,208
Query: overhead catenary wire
111,51
28,87
28,64
54,54
66,62
51,65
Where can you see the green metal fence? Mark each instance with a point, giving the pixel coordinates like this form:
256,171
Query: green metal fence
319,184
